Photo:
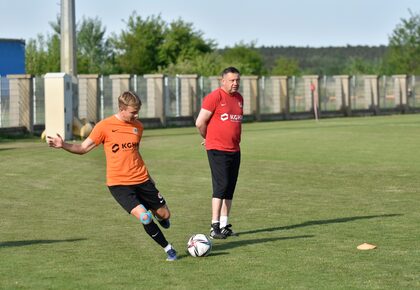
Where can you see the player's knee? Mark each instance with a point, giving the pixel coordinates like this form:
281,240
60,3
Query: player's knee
146,217
163,213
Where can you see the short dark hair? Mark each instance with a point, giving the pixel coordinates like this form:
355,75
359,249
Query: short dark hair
230,69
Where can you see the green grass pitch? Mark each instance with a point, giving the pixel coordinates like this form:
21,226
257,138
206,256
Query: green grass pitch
308,193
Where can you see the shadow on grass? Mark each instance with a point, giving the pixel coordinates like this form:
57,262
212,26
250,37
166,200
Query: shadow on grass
233,244
35,242
319,222
217,249
8,148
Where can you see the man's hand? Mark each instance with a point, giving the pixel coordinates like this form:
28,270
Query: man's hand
55,142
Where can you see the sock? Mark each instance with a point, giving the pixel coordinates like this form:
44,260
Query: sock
215,222
223,221
156,234
168,247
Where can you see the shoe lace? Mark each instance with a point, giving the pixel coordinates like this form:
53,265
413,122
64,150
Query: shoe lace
227,228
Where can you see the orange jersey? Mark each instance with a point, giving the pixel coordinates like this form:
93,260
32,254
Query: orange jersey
124,164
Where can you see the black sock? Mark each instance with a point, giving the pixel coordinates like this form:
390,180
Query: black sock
156,234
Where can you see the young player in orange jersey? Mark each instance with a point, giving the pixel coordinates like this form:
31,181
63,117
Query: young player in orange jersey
127,177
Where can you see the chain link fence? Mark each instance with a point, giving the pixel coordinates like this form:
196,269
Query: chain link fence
268,96
4,102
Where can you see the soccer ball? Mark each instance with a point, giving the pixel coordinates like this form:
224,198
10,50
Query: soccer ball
199,245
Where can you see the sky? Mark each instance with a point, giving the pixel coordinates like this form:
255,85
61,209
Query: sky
310,23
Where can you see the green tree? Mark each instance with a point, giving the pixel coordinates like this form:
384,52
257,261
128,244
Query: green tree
35,55
53,51
93,53
286,67
209,64
56,25
182,42
356,66
43,54
138,47
244,57
404,47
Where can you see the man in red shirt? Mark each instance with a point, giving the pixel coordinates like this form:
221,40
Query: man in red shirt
219,123
127,176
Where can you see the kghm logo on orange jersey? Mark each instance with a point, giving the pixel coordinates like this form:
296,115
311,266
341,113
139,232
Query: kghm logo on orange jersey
115,148
231,117
130,145
125,146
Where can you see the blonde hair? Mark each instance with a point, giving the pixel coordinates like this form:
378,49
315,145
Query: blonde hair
129,99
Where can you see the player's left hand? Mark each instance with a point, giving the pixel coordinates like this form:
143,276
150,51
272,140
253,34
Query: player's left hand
55,142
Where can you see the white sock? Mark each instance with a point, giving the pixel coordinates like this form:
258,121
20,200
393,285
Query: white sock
214,222
223,221
168,247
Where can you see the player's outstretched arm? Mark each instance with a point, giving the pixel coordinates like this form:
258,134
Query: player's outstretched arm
58,142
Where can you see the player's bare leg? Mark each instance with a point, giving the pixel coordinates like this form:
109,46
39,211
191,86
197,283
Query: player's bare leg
215,219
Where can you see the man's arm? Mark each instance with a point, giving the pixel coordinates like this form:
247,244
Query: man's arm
202,121
58,142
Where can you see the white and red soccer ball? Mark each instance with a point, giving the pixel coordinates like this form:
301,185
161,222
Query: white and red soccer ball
199,245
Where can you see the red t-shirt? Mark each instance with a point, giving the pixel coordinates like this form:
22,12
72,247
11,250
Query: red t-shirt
124,165
224,126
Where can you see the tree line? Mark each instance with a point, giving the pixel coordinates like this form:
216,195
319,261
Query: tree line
152,45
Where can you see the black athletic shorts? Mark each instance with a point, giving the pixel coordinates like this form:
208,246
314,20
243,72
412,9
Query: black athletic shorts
130,196
224,168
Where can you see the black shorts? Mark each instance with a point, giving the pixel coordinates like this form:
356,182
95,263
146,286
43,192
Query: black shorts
224,168
130,196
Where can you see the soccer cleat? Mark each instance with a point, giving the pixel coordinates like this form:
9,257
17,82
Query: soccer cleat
227,231
215,232
171,255
164,223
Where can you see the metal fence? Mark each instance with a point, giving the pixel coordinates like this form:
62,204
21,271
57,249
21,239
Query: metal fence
296,94
105,102
39,101
4,102
358,99
327,90
413,94
268,96
386,93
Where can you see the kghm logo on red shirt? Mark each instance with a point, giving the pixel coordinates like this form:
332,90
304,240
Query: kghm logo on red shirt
232,118
235,118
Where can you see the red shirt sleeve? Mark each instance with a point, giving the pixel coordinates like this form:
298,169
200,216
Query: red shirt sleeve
211,101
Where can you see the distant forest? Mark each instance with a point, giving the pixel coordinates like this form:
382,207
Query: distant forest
324,60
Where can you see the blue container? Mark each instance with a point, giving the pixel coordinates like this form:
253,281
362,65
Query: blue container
12,56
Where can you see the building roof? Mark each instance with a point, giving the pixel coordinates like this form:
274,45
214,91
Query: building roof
12,40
